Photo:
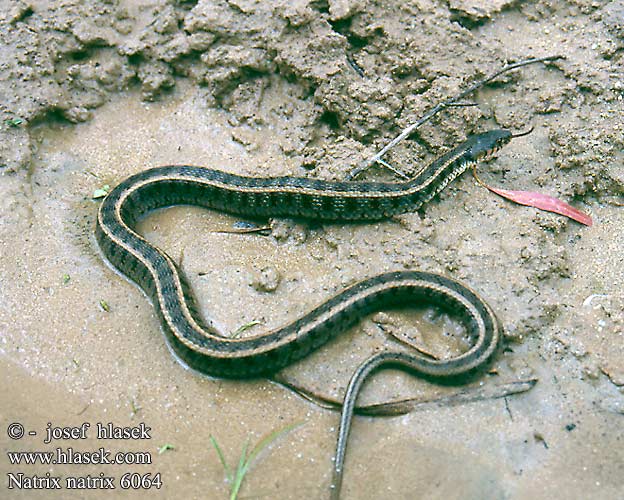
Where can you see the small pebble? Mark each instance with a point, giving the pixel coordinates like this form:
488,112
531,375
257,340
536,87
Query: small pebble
267,280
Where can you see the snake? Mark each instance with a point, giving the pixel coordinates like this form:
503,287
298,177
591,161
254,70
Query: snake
194,337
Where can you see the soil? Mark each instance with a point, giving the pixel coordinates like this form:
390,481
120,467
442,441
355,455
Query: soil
91,92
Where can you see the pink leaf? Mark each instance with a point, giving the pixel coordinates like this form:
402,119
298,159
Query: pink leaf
543,202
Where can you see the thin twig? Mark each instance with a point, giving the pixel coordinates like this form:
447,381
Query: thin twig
407,405
507,408
395,170
403,338
453,101
462,104
243,230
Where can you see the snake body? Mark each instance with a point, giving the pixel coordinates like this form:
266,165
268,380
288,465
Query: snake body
200,345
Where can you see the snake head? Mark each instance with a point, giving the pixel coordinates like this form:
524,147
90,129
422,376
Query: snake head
486,144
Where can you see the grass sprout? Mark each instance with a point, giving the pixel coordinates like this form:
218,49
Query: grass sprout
13,122
236,479
243,328
100,192
165,447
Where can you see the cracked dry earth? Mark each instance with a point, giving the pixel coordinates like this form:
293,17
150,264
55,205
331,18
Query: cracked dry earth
91,92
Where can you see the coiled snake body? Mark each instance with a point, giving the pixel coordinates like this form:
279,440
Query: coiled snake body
200,345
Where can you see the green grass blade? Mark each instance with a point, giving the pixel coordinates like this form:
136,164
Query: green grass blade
243,328
240,472
228,473
245,460
267,441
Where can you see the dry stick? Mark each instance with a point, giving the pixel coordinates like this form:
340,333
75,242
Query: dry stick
392,169
407,405
453,101
243,230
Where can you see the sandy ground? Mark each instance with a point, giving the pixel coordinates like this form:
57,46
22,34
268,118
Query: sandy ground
91,92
